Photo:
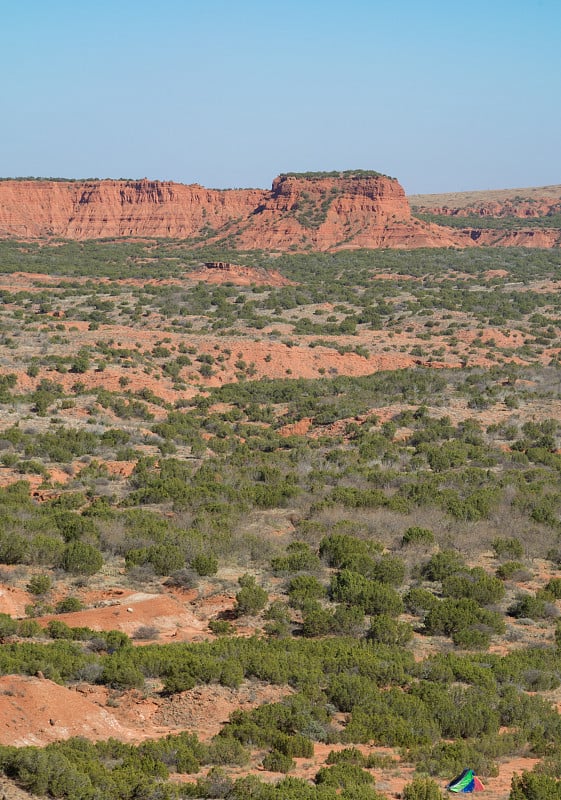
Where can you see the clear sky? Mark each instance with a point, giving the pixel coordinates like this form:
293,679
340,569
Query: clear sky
445,96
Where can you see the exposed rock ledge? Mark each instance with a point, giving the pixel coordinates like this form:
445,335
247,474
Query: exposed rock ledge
299,213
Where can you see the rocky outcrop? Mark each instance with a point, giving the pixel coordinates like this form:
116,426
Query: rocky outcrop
502,218
301,212
224,272
106,209
524,237
323,212
342,213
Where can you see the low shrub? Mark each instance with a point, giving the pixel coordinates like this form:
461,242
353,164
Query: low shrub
221,627
531,607
204,564
299,556
39,584
553,587
441,565
386,630
418,600
251,598
68,605
417,535
474,584
303,589
276,761
80,558
513,570
422,789
344,776
508,547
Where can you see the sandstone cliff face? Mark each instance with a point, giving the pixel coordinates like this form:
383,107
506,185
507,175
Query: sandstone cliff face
99,209
344,213
297,214
31,209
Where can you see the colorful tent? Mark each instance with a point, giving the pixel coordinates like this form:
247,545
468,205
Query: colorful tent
466,782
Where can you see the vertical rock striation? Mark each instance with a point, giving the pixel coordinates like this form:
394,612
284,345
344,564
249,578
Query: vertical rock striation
321,211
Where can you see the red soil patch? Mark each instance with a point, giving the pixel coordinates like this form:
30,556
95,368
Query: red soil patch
122,469
512,339
391,276
35,711
13,601
9,476
109,380
210,607
57,475
129,612
496,273
26,281
206,709
240,276
299,428
498,788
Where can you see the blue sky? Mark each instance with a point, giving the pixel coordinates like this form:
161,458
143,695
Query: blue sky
445,96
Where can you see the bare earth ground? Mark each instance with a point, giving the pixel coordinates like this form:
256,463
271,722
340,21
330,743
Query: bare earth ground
37,711
136,609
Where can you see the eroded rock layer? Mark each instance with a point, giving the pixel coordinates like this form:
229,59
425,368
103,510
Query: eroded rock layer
299,213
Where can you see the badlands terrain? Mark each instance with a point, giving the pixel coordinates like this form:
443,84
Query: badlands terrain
279,485
302,212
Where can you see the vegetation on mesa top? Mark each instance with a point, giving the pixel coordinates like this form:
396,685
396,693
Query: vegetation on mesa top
348,173
312,176
42,178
